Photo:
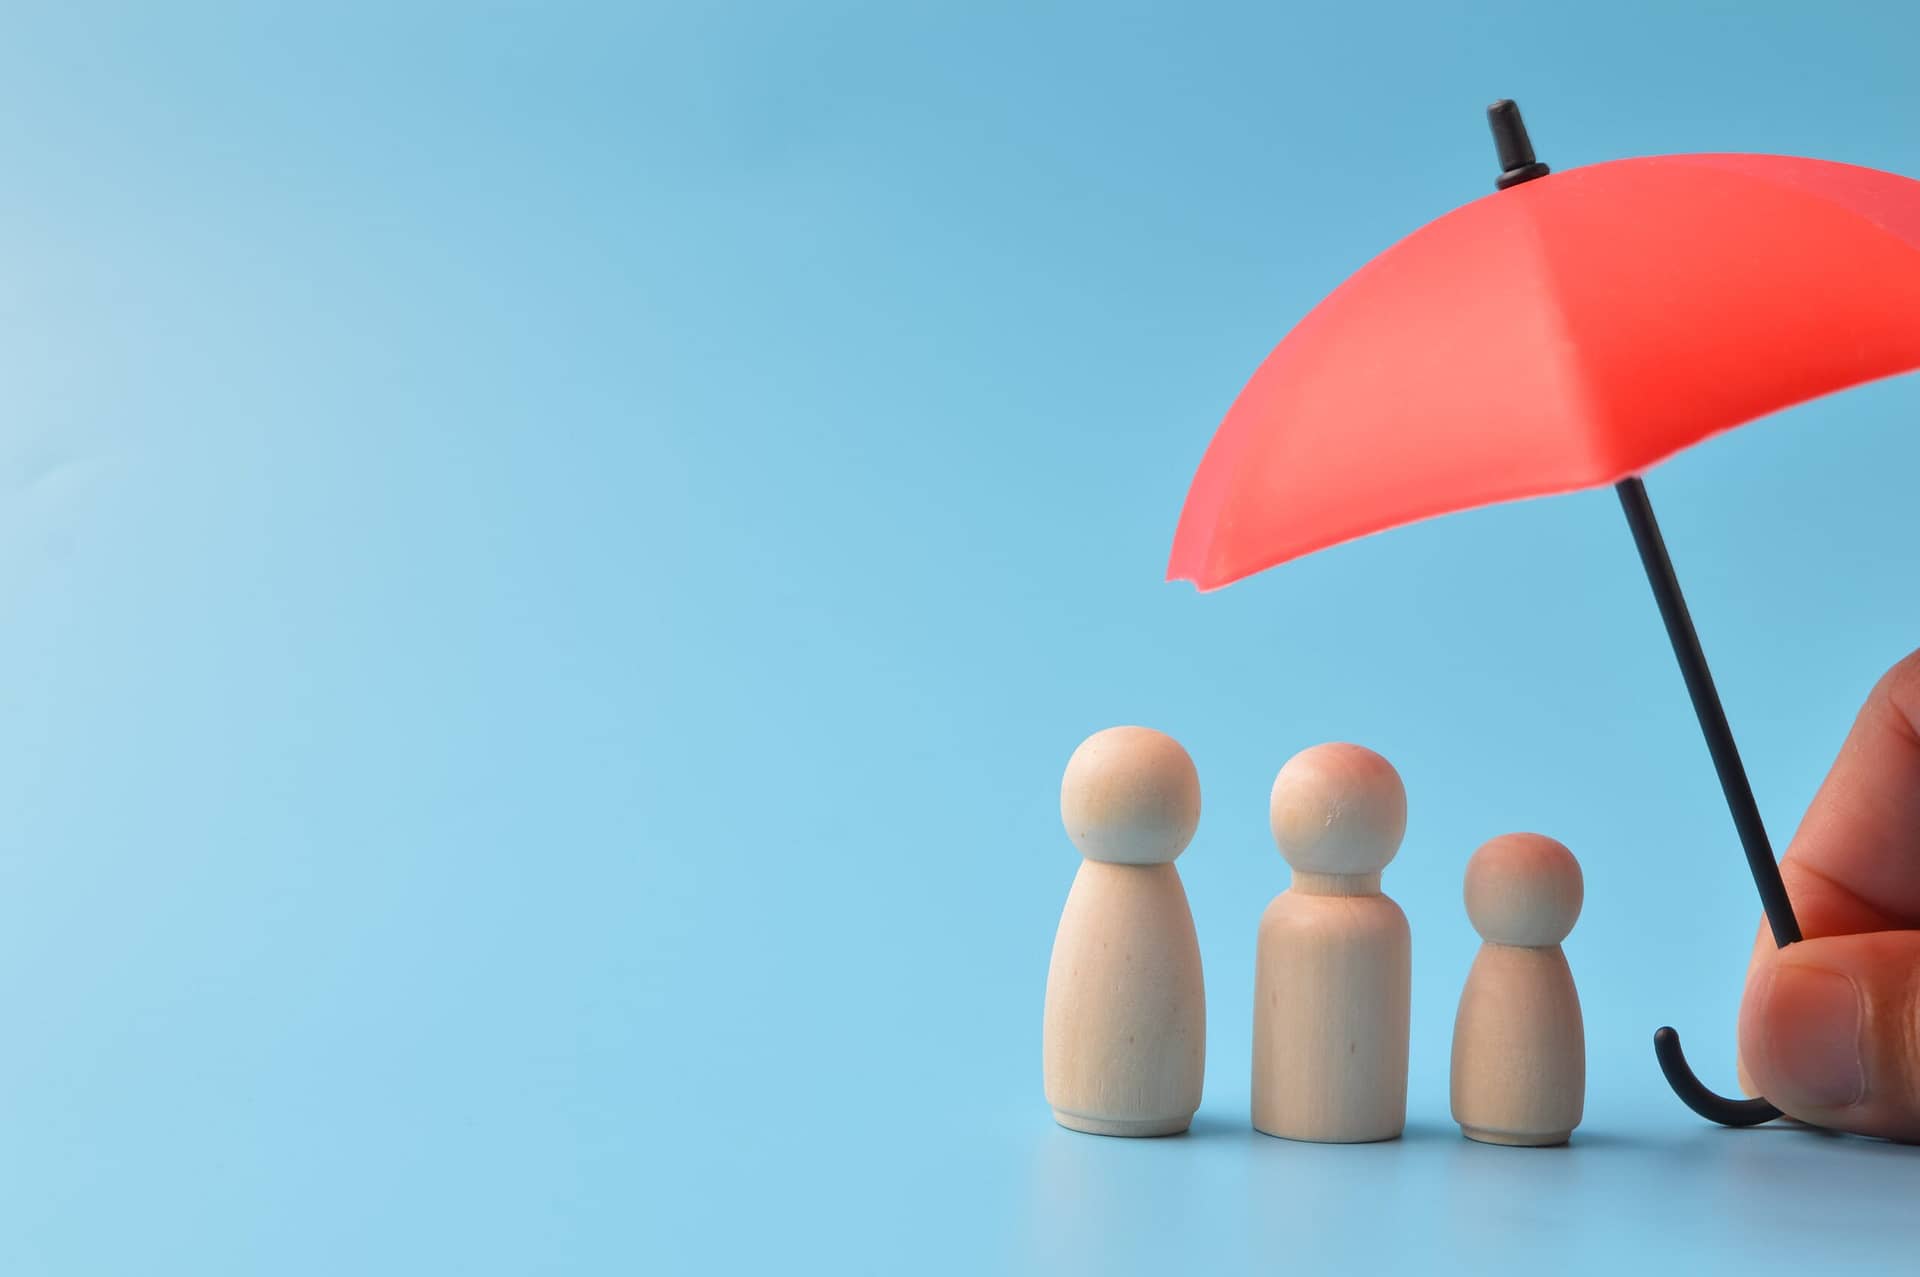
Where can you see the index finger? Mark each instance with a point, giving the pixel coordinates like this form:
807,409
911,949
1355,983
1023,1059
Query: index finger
1854,864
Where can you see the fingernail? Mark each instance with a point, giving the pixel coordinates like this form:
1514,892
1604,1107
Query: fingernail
1812,1037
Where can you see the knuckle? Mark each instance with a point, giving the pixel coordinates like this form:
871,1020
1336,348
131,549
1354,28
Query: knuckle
1899,690
1903,680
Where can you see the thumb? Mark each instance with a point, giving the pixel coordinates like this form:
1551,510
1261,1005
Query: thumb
1830,1032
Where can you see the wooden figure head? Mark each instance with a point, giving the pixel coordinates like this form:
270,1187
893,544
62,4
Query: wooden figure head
1523,889
1338,809
1130,796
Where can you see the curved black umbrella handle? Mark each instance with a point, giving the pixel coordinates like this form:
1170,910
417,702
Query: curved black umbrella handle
1715,1108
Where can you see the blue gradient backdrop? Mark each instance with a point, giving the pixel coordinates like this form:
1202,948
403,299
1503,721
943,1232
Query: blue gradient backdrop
553,556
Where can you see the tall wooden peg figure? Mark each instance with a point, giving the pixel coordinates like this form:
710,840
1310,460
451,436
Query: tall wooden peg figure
1334,969
1125,1038
1519,1048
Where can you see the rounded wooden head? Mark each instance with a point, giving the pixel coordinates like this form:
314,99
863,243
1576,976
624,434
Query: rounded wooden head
1130,796
1338,809
1524,889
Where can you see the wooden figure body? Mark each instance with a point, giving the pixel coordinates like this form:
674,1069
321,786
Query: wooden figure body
1519,1047
1334,968
1124,1039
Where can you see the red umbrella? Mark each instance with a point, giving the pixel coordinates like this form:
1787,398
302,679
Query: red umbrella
1569,331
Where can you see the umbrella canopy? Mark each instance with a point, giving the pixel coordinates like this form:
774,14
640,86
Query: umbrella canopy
1559,335
1567,332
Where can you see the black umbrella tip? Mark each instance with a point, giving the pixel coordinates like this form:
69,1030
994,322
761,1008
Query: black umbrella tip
1511,144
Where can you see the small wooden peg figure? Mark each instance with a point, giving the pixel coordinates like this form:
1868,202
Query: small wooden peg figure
1519,1048
1332,980
1125,1037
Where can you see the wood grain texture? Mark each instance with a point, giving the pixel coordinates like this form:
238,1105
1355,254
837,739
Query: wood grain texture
1331,1007
1519,1048
1334,966
1124,1038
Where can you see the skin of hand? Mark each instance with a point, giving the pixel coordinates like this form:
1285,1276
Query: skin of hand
1830,1027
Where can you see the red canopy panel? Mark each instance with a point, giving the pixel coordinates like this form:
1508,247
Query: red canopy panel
1559,335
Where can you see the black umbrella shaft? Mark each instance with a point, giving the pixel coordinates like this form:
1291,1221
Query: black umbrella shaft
1706,704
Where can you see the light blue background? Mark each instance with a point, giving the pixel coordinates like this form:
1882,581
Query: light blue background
553,555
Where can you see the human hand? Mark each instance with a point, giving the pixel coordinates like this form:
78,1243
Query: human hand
1830,1027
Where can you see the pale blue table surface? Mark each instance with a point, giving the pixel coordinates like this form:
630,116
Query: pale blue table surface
553,555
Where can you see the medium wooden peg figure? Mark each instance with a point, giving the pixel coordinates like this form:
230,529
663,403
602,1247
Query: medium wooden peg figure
1519,1048
1125,1036
1332,980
